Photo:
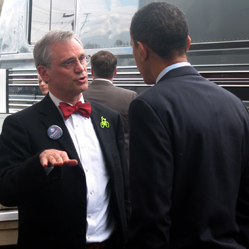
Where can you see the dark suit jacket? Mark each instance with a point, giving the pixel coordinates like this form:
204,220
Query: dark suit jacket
52,209
189,171
117,98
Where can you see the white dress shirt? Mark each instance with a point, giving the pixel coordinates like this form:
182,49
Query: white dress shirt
100,222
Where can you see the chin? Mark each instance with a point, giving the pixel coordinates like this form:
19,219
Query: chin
84,88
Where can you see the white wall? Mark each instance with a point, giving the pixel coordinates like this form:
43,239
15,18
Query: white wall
3,107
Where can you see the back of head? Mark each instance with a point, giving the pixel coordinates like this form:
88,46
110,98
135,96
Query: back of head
42,53
163,27
103,64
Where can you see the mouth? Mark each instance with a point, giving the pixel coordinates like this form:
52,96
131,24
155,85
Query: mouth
82,79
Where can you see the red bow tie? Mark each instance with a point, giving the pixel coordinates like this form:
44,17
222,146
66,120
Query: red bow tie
83,109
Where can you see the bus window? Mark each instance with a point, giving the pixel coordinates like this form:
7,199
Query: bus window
51,14
105,24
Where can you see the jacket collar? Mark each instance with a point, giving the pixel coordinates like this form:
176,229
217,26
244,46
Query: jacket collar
180,71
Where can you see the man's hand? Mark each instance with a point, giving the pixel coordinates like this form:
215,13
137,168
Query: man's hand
54,157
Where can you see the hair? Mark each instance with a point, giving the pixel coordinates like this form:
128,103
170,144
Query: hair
42,50
104,64
163,27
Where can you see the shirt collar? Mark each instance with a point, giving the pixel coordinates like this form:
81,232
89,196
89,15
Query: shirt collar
167,69
57,101
103,80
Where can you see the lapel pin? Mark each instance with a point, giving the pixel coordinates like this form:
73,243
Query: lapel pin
54,132
104,123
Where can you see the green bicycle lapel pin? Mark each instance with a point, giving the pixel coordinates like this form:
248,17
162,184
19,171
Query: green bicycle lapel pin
104,123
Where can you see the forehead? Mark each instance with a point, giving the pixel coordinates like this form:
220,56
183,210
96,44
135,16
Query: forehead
66,49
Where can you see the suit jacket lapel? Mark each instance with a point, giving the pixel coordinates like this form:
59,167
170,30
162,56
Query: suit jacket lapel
51,116
102,135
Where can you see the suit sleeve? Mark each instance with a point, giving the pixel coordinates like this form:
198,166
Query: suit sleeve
21,174
124,166
151,177
243,208
134,95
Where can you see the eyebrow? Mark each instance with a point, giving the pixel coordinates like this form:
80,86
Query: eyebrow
72,58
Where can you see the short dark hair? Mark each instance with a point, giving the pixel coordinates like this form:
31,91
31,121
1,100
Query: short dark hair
163,27
104,64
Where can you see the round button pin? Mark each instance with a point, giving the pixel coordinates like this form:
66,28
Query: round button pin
54,132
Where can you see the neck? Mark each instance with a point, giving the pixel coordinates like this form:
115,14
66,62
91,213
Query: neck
73,100
159,64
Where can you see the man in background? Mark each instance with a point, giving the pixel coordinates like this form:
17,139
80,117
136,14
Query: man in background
102,90
189,145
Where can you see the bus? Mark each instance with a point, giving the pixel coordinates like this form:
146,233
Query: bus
219,50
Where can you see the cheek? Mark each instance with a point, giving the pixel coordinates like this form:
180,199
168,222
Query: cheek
136,61
61,76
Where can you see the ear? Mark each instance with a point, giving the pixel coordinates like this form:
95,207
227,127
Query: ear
115,72
188,42
143,50
92,72
43,71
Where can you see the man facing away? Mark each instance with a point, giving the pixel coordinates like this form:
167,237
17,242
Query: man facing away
102,90
60,164
189,145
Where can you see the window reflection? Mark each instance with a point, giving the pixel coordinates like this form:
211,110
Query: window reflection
40,19
51,14
105,24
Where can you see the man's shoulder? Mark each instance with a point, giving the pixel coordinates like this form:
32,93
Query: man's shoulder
26,111
98,106
97,83
125,91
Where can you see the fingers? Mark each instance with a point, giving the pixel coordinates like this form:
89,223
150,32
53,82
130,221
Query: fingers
72,162
54,157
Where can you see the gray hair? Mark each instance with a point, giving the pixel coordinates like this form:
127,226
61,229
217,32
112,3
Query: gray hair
42,52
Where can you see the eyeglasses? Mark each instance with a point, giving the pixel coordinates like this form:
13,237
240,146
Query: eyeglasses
83,60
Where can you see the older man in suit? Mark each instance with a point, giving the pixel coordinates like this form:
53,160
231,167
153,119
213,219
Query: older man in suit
189,144
102,90
62,161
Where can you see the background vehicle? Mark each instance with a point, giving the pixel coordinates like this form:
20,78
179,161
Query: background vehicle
219,50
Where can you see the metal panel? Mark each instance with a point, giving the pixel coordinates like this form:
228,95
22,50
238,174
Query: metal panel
8,215
3,95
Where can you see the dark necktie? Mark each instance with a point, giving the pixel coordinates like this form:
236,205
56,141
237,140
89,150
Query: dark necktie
83,109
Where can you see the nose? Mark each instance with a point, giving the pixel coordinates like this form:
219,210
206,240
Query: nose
80,67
